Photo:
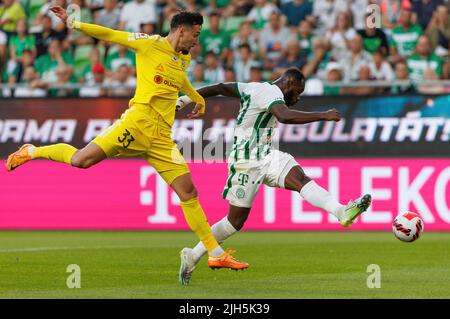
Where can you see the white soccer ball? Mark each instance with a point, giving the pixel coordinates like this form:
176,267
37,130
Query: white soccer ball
407,227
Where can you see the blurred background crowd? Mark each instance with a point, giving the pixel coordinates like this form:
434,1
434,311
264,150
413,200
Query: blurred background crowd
331,41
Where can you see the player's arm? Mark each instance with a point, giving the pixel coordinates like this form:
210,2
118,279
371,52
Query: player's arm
288,116
120,37
226,89
191,96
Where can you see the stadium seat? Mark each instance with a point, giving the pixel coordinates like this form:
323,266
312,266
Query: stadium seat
82,57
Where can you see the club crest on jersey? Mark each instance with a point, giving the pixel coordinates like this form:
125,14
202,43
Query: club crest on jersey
240,193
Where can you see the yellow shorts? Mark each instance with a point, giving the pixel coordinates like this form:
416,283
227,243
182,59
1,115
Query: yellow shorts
141,131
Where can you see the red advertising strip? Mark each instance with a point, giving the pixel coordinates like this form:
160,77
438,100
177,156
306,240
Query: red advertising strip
128,195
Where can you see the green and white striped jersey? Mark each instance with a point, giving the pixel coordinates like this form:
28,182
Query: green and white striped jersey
255,123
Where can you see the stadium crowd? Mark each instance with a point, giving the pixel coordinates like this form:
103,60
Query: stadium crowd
241,40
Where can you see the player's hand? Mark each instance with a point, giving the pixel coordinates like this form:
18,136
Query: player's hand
197,112
60,13
182,101
332,115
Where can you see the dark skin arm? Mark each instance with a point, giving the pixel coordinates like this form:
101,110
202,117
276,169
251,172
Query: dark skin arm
288,116
281,111
226,89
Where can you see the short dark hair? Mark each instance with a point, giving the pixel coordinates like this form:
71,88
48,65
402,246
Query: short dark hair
186,18
295,74
245,45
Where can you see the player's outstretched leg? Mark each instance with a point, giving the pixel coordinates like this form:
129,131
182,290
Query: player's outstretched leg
196,219
221,230
64,153
317,196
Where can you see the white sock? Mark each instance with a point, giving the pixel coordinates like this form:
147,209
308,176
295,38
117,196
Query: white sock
216,252
321,198
221,231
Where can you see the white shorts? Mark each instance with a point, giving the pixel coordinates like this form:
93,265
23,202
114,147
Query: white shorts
246,176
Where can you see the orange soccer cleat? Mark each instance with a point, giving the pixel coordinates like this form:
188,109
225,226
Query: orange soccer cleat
18,158
226,261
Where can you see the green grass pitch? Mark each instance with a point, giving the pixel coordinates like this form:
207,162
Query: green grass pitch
282,265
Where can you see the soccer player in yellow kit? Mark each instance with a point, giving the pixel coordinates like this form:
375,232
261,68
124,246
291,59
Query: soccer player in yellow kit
144,129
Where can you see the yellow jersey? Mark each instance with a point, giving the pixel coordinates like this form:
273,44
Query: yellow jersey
160,70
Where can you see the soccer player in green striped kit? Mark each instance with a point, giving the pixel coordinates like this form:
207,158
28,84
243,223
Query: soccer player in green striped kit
254,161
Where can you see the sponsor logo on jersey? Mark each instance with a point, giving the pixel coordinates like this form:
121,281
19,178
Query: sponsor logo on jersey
158,79
137,36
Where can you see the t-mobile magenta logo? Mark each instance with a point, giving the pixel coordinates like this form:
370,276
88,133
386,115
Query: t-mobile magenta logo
155,192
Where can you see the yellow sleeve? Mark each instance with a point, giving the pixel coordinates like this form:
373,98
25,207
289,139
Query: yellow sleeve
137,41
190,91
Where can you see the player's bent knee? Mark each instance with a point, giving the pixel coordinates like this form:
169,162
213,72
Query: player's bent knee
188,194
80,162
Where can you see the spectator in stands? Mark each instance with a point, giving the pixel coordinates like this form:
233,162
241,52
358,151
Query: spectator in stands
148,28
32,85
230,75
243,63
214,72
15,73
390,12
296,11
317,60
136,12
94,60
380,69
438,31
363,75
273,40
374,39
354,59
93,86
63,77
109,16
404,36
11,12
430,75
423,59
215,40
57,24
401,74
46,64
244,36
261,12
339,36
120,56
256,74
324,14
44,38
122,82
230,8
305,37
198,76
19,42
291,57
358,9
423,11
333,74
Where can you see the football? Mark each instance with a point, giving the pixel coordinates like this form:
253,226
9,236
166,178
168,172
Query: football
407,227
